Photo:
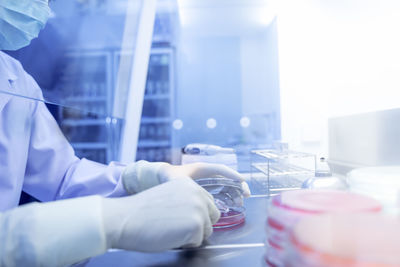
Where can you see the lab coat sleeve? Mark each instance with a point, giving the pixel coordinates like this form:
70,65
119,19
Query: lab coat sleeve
52,234
54,172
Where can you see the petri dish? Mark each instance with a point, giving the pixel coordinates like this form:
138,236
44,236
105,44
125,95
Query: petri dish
228,197
285,210
321,201
362,240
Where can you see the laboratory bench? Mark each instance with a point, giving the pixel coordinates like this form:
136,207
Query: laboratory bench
241,245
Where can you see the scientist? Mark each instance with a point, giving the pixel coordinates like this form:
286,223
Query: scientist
166,209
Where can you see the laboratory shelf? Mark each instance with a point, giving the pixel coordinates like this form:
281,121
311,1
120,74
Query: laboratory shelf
156,96
284,154
150,143
277,184
155,119
85,122
272,169
89,145
86,99
88,80
281,170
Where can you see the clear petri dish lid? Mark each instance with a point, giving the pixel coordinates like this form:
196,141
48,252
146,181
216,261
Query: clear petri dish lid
349,240
320,201
228,198
220,181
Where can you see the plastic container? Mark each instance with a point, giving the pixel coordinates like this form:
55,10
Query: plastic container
228,197
332,240
323,178
285,210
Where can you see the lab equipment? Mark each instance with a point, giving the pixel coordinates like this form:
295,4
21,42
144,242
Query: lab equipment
364,140
286,209
19,24
87,83
84,99
173,215
324,179
362,240
322,168
382,183
228,197
205,149
276,171
158,108
209,153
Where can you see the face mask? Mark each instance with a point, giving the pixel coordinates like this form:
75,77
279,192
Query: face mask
21,21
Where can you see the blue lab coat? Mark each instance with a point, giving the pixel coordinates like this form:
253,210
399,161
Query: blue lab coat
35,157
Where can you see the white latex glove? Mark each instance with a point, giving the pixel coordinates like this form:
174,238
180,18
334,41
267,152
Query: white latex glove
143,175
52,234
175,214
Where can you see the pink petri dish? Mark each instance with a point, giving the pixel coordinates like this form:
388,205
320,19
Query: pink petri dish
230,219
285,210
272,258
322,201
354,240
228,197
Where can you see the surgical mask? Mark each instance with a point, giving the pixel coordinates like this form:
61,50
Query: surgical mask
21,21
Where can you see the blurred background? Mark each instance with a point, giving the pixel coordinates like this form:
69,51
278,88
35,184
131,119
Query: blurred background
156,75
134,79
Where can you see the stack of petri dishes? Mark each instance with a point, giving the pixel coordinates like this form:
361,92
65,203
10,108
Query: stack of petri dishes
228,197
352,240
382,183
285,210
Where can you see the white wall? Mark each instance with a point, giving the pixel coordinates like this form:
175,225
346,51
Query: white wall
336,58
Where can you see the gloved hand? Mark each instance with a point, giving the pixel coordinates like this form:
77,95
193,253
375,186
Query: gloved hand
201,170
175,214
142,175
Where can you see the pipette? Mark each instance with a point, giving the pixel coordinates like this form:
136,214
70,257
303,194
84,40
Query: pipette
204,149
